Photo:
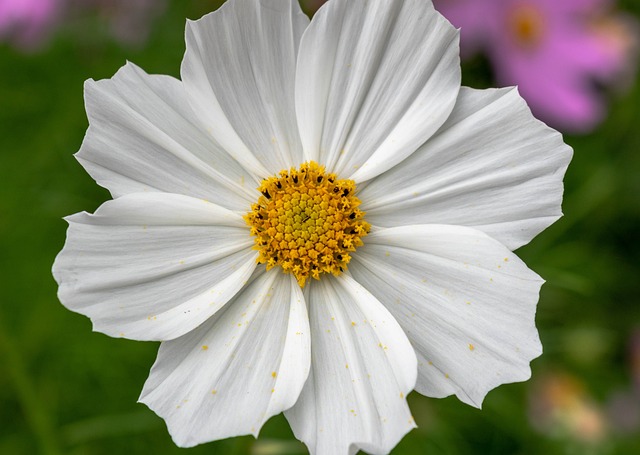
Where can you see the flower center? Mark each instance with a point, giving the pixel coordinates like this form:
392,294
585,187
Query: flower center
526,24
307,222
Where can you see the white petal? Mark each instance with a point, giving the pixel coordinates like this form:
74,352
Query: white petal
143,136
464,300
239,71
246,364
491,166
362,368
374,81
153,266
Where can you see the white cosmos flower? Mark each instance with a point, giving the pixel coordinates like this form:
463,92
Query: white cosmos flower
451,180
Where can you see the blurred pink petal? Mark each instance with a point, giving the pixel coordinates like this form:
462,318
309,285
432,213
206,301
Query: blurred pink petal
634,360
623,410
474,18
574,6
477,19
560,406
555,51
623,407
27,23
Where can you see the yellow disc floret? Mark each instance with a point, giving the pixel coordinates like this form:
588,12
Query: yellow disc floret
527,25
307,222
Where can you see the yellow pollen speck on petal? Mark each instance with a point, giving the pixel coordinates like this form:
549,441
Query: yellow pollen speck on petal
471,347
308,222
506,259
205,347
401,395
446,375
346,366
214,391
274,374
353,324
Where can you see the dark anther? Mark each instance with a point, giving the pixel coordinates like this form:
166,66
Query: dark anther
260,216
339,256
295,179
279,185
319,178
313,267
345,192
266,194
341,269
331,180
336,189
353,215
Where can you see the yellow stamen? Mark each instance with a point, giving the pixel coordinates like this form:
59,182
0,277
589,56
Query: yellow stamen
526,24
307,221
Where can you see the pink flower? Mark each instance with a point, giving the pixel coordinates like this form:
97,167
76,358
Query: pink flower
562,407
555,51
26,23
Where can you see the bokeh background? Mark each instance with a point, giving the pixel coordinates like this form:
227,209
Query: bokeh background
66,390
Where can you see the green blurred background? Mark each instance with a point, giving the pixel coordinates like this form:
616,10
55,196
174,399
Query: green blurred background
67,390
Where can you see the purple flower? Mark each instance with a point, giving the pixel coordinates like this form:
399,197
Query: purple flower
26,23
555,51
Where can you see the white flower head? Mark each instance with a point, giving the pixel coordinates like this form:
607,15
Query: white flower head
343,152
